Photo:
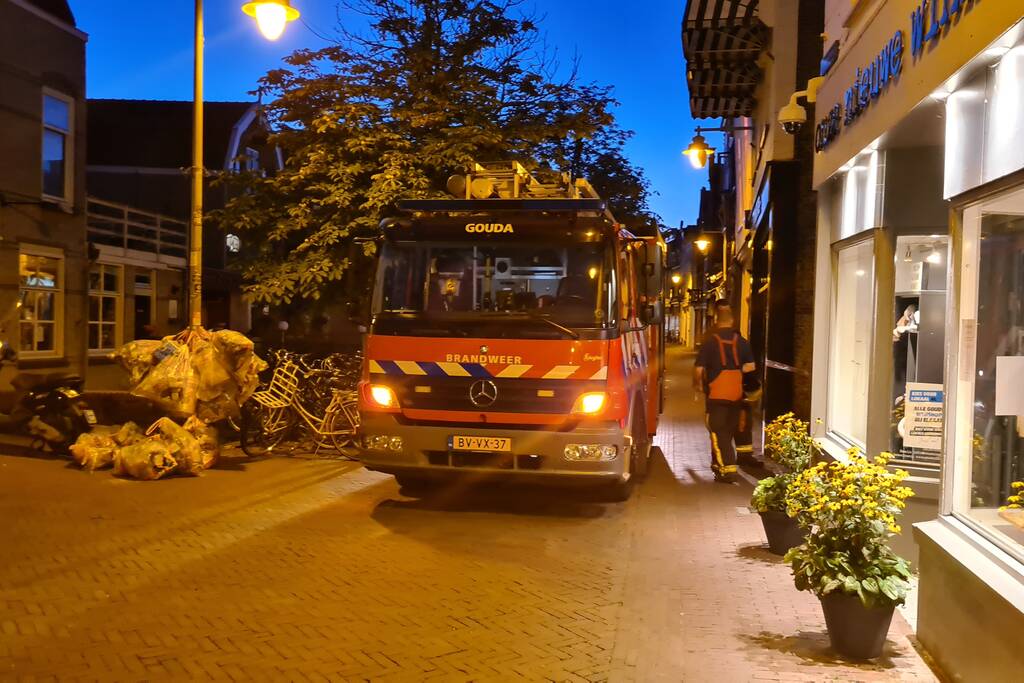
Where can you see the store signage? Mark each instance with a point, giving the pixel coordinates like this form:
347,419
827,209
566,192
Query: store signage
869,83
928,23
922,424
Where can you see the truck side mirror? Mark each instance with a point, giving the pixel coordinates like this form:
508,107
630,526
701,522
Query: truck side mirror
362,263
653,282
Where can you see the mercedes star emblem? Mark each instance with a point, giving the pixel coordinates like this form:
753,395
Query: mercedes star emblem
484,349
483,393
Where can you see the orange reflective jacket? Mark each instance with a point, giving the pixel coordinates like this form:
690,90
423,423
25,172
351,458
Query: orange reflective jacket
728,384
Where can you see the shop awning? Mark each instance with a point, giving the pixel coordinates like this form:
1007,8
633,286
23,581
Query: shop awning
722,40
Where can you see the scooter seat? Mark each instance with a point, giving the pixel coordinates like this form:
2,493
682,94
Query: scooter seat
32,381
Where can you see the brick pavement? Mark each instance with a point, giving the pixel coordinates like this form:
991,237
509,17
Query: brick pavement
318,570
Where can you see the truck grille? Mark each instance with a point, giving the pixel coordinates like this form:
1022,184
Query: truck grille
514,395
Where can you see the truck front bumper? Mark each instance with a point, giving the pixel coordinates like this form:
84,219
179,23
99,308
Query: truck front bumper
536,455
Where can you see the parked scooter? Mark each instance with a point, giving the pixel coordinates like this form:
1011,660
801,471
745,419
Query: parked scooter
49,407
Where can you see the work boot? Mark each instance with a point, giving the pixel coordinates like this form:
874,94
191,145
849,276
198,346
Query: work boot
748,460
725,478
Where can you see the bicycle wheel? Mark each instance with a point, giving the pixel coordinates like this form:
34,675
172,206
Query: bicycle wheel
263,429
342,426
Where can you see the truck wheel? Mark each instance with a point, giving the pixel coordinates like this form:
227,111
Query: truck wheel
640,457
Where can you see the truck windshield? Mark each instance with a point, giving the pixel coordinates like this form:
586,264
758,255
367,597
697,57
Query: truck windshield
572,285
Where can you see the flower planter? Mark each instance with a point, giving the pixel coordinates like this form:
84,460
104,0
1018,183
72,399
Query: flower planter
782,531
856,631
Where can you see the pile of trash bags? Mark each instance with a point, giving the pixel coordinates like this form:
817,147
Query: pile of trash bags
208,375
165,448
198,377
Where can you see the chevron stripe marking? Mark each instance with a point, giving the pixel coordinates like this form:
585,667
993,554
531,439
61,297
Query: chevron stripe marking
410,367
376,369
514,371
601,374
454,369
561,371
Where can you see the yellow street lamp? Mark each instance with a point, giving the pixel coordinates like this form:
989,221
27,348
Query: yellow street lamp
676,278
702,244
698,151
271,16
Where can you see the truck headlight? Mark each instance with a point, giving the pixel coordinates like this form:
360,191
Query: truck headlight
591,452
590,403
379,397
382,442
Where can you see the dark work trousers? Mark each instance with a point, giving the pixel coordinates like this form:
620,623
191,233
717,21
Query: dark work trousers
745,434
723,422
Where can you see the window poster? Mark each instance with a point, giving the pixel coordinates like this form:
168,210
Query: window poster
923,422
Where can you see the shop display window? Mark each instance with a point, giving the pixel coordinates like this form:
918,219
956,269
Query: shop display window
990,426
863,188
918,348
851,335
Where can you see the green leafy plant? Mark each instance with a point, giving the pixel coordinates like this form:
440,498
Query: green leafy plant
788,443
850,509
770,493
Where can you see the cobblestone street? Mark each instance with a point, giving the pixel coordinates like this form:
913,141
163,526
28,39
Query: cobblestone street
314,569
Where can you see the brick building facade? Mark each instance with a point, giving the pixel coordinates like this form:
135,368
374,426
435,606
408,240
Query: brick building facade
44,257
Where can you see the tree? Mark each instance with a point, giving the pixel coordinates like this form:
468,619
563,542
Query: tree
430,87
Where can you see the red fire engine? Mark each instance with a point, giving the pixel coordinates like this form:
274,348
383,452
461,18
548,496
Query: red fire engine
514,333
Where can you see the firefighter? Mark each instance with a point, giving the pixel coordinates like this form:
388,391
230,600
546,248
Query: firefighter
726,374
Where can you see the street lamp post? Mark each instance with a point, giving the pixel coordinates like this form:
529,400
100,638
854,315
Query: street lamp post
702,245
271,16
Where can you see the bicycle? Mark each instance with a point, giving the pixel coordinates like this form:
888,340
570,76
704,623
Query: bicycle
271,416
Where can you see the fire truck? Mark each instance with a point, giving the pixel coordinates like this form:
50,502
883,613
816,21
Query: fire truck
515,332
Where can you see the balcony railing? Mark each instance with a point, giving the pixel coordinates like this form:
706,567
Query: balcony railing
135,234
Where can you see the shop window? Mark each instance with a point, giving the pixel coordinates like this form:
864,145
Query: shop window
40,300
989,429
918,348
105,307
862,193
852,332
57,117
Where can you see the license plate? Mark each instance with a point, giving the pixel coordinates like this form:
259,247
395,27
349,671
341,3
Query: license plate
493,444
90,416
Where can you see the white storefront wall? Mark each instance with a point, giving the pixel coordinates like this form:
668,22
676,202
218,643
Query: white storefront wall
875,255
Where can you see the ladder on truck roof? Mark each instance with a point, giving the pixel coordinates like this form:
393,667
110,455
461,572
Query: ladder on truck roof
508,186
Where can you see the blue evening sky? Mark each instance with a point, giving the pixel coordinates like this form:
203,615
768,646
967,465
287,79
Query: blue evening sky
143,50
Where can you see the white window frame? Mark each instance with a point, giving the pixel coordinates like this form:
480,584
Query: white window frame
857,240
58,300
252,159
961,372
118,297
69,147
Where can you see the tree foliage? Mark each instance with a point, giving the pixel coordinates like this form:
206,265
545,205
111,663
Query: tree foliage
391,113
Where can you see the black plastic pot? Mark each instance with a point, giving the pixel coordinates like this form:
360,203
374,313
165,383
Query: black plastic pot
782,531
856,631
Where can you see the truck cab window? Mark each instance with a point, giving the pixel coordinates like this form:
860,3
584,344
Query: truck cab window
573,284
